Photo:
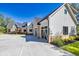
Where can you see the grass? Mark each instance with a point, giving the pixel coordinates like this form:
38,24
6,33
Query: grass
73,48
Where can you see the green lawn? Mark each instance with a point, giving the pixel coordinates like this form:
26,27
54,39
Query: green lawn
73,48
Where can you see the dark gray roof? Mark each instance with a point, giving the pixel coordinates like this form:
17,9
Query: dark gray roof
17,24
21,25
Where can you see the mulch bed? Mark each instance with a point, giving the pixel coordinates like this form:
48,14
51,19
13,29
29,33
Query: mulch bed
72,41
69,42
66,43
77,39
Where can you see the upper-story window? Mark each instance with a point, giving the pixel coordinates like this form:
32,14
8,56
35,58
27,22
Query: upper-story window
65,11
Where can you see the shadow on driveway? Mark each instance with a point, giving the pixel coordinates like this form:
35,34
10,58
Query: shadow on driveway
32,38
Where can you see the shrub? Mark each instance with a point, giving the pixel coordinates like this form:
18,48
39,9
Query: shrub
66,39
3,29
77,37
71,38
58,41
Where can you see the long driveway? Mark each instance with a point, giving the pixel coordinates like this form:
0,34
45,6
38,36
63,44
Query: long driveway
21,45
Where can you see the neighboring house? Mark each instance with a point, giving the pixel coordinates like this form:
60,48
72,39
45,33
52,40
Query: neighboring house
30,28
21,28
11,28
61,22
18,28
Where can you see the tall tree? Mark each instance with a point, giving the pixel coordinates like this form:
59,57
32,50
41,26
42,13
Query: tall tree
75,5
8,20
4,22
1,20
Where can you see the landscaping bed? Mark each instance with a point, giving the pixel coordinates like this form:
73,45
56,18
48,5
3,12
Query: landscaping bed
70,44
73,48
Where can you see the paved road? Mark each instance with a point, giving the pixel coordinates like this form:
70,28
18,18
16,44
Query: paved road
17,45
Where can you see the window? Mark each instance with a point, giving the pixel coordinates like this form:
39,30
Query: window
72,32
65,30
30,30
65,11
24,30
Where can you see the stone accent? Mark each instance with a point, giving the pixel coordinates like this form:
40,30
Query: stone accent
50,38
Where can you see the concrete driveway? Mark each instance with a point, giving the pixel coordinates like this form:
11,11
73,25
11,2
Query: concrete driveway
21,45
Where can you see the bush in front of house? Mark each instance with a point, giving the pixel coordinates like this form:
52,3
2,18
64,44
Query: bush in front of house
77,37
58,41
70,39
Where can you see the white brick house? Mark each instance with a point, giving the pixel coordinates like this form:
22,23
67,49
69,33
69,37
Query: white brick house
61,22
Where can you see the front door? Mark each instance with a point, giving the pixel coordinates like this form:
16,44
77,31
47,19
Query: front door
44,32
35,32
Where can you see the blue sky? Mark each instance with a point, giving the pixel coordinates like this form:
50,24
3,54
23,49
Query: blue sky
25,12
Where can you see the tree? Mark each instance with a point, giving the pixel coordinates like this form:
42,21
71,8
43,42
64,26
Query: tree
4,22
1,20
3,29
8,20
75,5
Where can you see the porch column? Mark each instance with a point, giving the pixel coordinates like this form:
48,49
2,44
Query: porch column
49,39
39,31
